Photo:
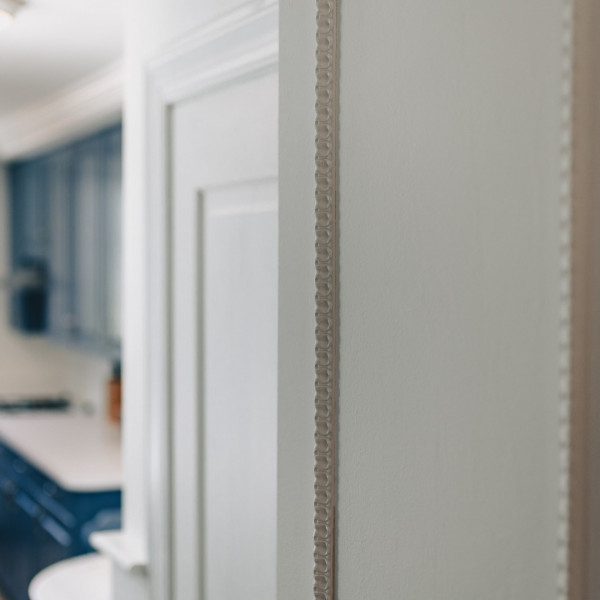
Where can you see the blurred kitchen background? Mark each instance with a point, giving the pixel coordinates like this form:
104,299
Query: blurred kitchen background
53,177
60,285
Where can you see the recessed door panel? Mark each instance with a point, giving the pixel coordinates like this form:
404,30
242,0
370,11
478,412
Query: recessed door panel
224,336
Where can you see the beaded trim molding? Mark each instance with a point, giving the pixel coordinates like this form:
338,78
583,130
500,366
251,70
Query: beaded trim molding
565,299
327,319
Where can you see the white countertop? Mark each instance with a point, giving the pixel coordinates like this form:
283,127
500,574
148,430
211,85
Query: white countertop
79,452
85,577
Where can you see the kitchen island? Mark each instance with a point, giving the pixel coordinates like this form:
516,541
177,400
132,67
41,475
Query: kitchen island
80,453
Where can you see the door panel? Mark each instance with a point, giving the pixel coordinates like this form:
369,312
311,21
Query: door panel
224,317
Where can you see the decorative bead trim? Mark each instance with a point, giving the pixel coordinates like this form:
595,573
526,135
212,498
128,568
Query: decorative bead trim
327,320
565,253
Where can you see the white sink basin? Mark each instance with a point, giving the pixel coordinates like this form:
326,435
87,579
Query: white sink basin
85,577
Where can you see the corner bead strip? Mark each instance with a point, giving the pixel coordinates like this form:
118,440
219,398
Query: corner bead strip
327,324
566,253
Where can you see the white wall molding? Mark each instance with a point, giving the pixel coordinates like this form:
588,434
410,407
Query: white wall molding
87,105
217,28
240,44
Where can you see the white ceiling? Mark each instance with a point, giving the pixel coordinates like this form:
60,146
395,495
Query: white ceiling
55,43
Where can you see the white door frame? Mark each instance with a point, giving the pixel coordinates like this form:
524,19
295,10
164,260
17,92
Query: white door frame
241,46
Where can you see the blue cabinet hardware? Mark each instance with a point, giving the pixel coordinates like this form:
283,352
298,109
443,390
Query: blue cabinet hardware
41,523
65,221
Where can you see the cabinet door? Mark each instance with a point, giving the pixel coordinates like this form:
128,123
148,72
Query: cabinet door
61,254
28,217
90,310
66,214
112,239
31,211
16,180
96,210
11,527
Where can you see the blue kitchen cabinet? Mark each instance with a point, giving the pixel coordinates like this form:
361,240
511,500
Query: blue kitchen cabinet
60,253
29,239
113,234
29,209
65,221
88,232
14,540
97,233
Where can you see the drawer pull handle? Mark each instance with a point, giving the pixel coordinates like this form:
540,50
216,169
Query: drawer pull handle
28,506
60,534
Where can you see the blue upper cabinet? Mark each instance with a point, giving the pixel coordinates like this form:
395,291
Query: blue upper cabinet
88,230
29,243
61,250
66,222
112,237
30,210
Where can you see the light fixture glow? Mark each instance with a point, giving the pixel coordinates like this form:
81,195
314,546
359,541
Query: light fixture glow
6,20
8,10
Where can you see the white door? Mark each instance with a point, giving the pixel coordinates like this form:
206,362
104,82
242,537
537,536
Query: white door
224,335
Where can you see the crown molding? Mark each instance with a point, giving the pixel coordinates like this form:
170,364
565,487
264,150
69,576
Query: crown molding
242,41
89,104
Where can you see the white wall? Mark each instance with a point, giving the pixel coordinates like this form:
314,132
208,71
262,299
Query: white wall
34,365
449,204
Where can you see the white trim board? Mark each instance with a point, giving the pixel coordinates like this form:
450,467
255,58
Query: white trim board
241,45
81,108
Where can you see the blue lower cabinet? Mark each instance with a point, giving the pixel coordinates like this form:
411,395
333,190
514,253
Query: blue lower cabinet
14,562
41,523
